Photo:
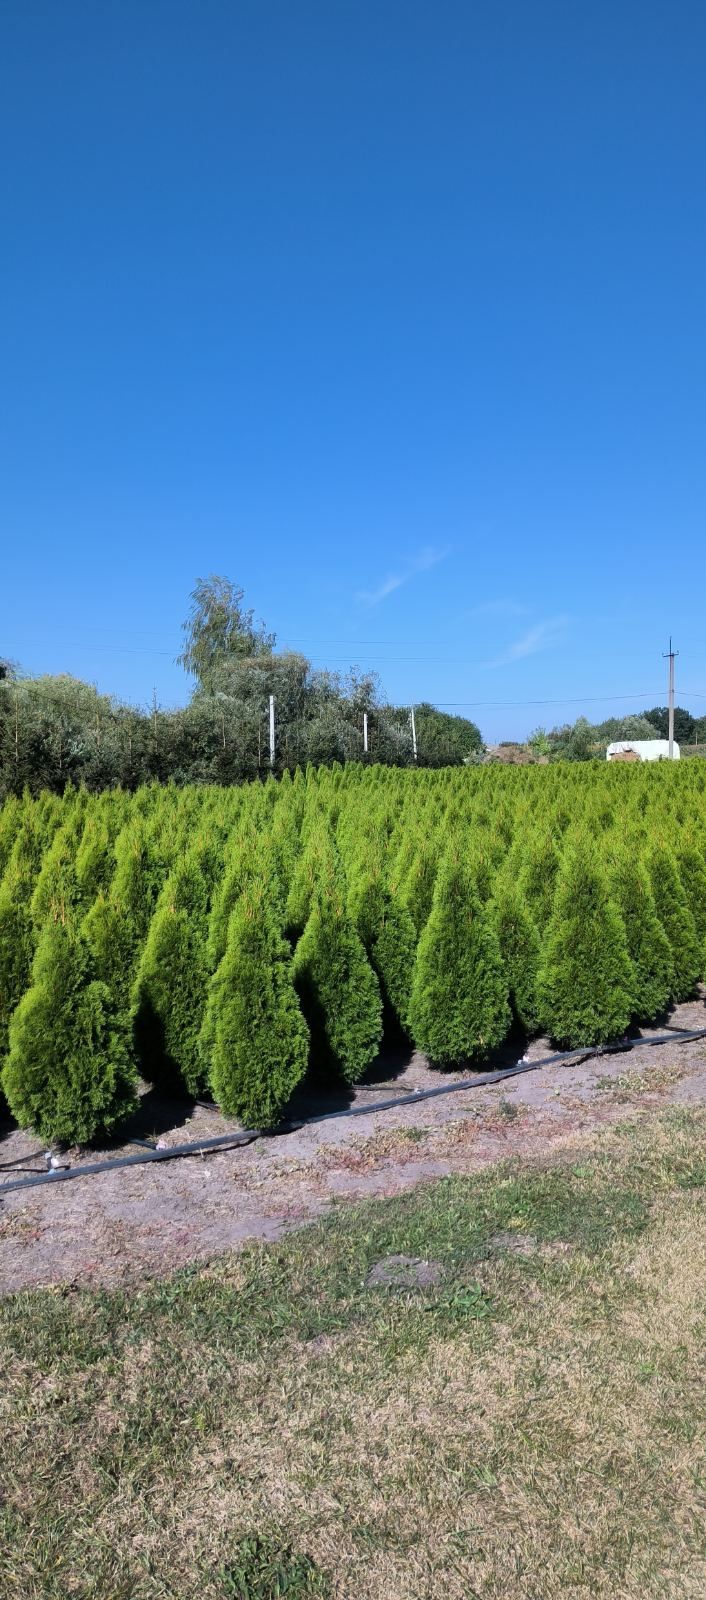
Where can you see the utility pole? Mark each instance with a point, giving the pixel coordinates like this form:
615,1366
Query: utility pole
669,655
272,730
365,732
414,732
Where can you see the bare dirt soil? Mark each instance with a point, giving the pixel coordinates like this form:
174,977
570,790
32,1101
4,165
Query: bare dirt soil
142,1221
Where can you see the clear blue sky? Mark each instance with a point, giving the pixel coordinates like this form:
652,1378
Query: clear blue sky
393,312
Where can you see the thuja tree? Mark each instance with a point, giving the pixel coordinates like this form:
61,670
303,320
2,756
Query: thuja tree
416,884
537,861
676,919
95,859
284,841
169,998
520,949
17,940
116,924
318,863
68,1072
12,813
339,991
169,994
586,980
459,1005
692,871
57,887
18,934
237,875
260,1038
388,934
648,946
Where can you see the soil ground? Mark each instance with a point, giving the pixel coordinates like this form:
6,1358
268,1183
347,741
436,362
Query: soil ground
144,1221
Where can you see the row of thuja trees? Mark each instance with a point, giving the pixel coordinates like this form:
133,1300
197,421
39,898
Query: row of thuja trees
221,941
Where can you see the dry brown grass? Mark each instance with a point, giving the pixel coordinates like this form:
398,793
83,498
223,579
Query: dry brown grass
538,1436
632,1085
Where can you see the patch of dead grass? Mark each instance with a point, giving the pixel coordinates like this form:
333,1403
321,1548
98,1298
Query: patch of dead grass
554,1450
632,1085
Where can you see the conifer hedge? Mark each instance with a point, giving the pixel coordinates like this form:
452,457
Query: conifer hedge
225,941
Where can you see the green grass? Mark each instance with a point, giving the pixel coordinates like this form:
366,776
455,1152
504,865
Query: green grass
260,1569
531,1427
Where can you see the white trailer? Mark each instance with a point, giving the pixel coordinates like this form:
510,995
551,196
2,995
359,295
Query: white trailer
641,750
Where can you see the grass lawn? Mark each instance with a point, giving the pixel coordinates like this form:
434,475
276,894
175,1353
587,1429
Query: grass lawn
531,1424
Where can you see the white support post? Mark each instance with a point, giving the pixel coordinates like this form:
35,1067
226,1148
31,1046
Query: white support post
414,732
365,732
272,730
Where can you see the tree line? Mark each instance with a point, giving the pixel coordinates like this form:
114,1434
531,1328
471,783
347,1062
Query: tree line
587,741
58,730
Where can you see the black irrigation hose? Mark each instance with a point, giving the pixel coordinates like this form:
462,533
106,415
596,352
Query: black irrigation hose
18,1166
20,1161
62,1174
235,1141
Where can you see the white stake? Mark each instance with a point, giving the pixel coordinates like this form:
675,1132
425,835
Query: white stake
414,732
272,730
365,732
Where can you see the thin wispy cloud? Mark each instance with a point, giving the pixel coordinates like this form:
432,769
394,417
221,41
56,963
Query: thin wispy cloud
499,608
542,636
429,557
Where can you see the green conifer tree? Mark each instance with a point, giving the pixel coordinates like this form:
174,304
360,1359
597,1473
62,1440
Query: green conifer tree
116,925
169,999
68,1073
339,991
648,946
169,995
57,883
12,812
519,948
17,941
260,1038
692,871
388,934
416,887
318,865
586,983
95,855
459,1004
237,874
536,859
18,933
676,919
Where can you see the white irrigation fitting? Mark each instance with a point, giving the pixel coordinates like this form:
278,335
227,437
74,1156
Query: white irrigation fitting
234,1141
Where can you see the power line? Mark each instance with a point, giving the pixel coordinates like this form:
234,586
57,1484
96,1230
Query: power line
556,700
428,661
421,661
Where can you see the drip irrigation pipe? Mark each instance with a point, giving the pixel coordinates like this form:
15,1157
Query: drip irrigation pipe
235,1141
21,1161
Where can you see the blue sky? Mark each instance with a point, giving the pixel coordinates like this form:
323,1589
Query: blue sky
394,313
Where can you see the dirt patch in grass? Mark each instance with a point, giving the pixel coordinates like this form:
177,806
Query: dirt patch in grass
404,1272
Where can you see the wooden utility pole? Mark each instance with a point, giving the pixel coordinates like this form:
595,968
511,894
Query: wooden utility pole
272,730
669,656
